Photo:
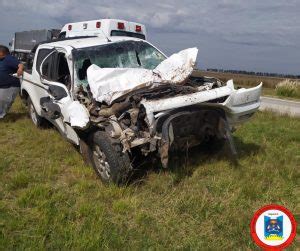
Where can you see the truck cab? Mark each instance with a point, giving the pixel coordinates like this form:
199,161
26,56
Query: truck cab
51,87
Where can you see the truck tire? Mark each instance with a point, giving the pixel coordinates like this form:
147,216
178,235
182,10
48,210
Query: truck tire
37,120
109,162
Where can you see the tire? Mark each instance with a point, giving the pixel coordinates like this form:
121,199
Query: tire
37,120
109,162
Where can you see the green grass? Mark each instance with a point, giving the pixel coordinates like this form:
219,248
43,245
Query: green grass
49,199
286,92
288,88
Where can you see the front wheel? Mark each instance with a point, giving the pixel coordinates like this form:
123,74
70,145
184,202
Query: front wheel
37,120
109,162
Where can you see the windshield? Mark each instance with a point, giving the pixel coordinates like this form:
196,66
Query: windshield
128,54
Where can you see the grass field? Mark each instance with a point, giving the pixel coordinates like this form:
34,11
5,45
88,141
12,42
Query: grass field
49,199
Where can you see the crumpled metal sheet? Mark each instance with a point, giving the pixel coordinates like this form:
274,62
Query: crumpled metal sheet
108,84
79,116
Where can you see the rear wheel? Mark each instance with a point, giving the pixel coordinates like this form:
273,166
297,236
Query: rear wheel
37,120
109,162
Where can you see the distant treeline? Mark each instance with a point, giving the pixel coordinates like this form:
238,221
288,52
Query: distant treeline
265,74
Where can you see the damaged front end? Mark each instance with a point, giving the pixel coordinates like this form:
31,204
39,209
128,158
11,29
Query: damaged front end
156,111
165,118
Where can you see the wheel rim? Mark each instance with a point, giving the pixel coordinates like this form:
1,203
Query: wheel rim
33,114
101,163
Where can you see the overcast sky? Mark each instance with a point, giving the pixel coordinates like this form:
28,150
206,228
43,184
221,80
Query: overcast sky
230,34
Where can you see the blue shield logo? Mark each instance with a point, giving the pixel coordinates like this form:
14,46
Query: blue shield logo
273,228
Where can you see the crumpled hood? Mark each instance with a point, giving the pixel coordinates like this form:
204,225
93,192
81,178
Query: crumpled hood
108,84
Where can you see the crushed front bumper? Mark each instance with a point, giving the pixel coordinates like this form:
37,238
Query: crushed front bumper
242,104
238,105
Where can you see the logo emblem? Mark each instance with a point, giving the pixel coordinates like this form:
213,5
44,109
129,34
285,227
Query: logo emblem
273,227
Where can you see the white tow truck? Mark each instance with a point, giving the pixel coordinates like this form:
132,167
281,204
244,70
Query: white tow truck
118,97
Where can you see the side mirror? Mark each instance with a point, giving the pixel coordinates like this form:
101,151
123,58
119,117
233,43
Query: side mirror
57,92
50,110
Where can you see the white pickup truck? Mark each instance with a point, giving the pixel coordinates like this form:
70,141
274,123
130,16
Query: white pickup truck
120,98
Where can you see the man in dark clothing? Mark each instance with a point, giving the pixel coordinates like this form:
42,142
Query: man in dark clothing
9,85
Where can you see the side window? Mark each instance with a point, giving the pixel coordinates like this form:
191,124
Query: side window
47,72
41,56
63,73
55,68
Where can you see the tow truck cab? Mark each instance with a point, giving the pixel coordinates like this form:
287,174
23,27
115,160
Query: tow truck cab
104,27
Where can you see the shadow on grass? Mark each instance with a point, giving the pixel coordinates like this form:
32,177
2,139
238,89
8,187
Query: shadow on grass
182,164
15,116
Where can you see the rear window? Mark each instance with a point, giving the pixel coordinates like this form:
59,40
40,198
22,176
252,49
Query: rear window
127,34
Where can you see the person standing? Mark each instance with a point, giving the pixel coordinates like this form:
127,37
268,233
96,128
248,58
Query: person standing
9,85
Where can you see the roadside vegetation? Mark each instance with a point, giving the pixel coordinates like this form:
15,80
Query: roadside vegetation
49,199
288,88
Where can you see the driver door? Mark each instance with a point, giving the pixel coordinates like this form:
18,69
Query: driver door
55,75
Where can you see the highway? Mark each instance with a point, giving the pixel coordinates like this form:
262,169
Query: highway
289,107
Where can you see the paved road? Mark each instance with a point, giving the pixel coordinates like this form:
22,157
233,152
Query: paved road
282,106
